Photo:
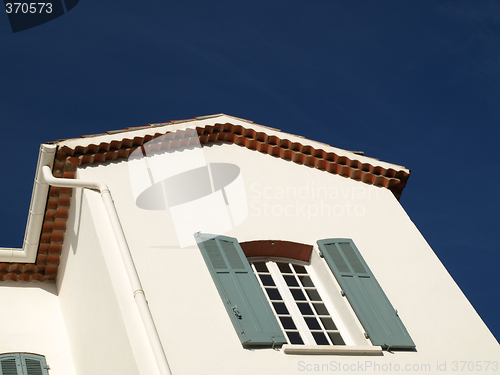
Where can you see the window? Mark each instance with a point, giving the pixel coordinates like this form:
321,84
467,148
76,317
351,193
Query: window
297,303
299,309
23,364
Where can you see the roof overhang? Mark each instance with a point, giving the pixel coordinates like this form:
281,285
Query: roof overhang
39,258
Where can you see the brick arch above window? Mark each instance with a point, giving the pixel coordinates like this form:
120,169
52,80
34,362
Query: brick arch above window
278,249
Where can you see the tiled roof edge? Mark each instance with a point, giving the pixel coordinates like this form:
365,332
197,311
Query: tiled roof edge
350,167
68,159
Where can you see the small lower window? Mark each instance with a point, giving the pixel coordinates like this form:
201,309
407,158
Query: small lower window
297,302
23,364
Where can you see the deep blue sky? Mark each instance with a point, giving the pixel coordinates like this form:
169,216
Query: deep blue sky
413,83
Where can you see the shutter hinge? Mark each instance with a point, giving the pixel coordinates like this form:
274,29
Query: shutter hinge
367,335
274,343
236,312
396,311
321,255
342,293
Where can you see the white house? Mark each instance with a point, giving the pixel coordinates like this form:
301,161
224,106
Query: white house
219,246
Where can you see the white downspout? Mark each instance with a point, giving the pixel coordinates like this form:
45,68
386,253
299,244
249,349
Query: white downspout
139,295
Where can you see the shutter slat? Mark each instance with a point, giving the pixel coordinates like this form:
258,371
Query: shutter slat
368,300
243,298
214,254
232,255
8,366
34,364
33,367
339,261
352,258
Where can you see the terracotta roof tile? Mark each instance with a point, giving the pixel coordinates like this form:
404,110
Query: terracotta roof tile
67,160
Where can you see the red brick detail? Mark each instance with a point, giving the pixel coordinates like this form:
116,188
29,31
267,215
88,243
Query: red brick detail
66,191
54,191
53,259
62,213
52,203
60,225
29,269
50,216
4,267
16,268
55,248
57,237
280,249
45,238
23,277
47,228
41,259
38,277
51,270
43,248
10,277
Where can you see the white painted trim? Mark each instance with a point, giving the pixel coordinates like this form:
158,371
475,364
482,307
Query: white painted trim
331,349
290,302
203,121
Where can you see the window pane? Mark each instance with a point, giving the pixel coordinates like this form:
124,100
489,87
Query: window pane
291,280
336,338
298,295
273,294
284,267
260,266
320,338
280,308
306,281
299,269
313,294
287,322
312,323
320,309
295,338
267,280
305,309
284,281
329,324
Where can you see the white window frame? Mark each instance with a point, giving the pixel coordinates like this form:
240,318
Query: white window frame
341,311
291,304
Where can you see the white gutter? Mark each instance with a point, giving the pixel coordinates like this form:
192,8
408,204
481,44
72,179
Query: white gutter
37,211
139,296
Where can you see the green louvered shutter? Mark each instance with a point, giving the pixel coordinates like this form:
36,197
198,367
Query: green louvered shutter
34,364
240,291
23,364
368,300
10,364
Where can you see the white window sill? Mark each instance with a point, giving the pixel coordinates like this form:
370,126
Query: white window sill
331,349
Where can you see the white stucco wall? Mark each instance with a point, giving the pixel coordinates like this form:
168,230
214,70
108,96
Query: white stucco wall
196,332
31,322
104,330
